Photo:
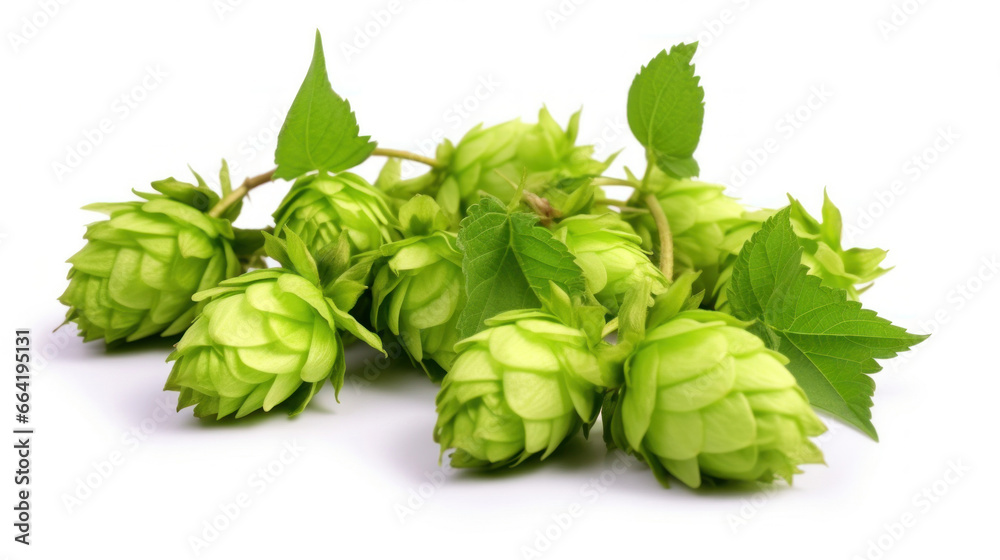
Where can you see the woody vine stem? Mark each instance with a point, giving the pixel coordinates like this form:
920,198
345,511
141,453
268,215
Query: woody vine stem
251,183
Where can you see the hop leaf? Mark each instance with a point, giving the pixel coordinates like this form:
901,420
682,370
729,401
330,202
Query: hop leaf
510,264
832,342
852,270
666,108
320,132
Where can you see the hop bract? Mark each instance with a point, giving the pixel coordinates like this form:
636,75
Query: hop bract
135,276
419,289
521,386
610,254
261,337
699,215
544,151
704,398
268,336
852,270
319,207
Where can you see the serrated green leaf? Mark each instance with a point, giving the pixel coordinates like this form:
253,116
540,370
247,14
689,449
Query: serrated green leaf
666,109
832,343
320,132
509,263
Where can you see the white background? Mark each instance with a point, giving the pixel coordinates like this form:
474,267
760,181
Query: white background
224,76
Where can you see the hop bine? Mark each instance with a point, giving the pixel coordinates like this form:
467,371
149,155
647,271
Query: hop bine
699,215
522,386
135,276
270,336
418,288
703,398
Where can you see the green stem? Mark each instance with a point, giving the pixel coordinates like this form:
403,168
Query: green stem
403,154
237,194
602,181
621,205
666,238
662,225
610,327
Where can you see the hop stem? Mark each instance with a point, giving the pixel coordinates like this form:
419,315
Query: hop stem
662,225
666,238
403,154
602,181
238,193
252,182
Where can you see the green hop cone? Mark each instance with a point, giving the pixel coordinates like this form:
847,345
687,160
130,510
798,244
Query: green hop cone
135,276
699,215
265,337
704,398
489,159
852,270
419,289
610,254
318,208
522,386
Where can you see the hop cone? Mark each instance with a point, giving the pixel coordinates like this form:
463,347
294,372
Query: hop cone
609,252
543,154
135,276
263,338
419,288
852,270
699,215
705,398
319,208
520,387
